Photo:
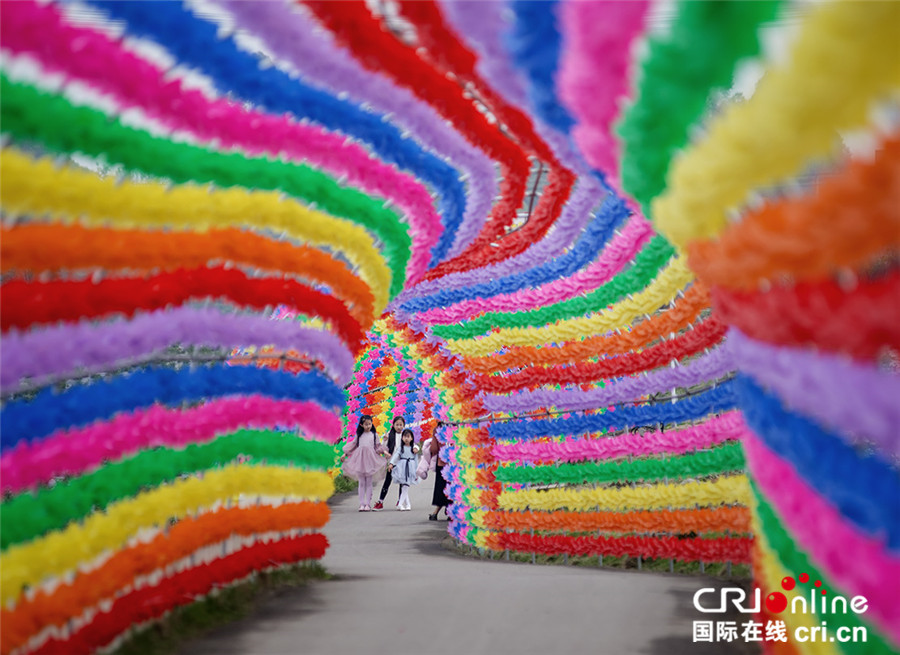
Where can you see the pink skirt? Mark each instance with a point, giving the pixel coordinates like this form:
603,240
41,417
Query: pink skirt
364,462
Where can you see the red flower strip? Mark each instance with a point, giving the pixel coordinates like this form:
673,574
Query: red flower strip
860,321
67,600
733,549
357,30
705,335
669,321
25,304
483,251
451,55
40,247
184,588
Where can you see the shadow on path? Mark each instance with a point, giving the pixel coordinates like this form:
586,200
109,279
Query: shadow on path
397,591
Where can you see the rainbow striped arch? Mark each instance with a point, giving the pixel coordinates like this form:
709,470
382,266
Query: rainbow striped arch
651,307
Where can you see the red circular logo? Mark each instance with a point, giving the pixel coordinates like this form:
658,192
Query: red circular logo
776,602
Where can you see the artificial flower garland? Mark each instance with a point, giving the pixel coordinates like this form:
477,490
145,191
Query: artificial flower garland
30,563
782,126
727,489
31,515
39,247
92,56
75,451
46,608
39,187
34,115
683,312
661,291
69,300
26,421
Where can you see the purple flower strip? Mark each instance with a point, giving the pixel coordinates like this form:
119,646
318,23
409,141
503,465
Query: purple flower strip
295,37
708,367
852,398
63,349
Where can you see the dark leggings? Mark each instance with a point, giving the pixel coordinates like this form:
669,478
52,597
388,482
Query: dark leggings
439,499
388,478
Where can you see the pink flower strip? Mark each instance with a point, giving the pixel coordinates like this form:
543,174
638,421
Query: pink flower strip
713,432
861,565
74,452
93,57
596,54
614,258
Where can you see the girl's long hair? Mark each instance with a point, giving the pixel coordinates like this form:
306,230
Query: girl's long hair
360,430
392,433
435,446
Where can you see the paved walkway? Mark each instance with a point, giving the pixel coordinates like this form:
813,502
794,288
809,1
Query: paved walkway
398,591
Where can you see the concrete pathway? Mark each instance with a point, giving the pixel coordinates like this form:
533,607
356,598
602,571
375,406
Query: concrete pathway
397,591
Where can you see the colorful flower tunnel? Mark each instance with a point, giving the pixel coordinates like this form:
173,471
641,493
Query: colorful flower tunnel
645,319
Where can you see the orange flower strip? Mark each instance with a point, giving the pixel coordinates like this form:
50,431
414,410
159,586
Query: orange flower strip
479,436
679,521
684,313
707,334
53,247
29,617
485,477
851,219
481,454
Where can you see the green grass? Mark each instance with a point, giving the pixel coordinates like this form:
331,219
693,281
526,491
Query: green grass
711,569
343,484
221,607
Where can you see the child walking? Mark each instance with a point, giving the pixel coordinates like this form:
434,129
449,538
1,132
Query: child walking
397,426
364,463
403,466
432,461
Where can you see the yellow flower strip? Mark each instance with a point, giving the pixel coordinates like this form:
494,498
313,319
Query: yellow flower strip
729,490
466,455
482,538
768,573
846,56
62,551
470,477
479,519
38,187
618,316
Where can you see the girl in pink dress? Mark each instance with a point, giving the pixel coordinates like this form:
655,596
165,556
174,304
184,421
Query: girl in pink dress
365,461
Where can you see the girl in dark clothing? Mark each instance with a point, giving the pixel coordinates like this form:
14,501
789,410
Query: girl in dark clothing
393,436
431,461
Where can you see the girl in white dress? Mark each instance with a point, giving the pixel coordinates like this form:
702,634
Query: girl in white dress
403,466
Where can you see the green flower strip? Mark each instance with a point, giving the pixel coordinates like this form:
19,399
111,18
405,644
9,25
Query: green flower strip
797,562
682,67
28,515
31,114
729,457
643,270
